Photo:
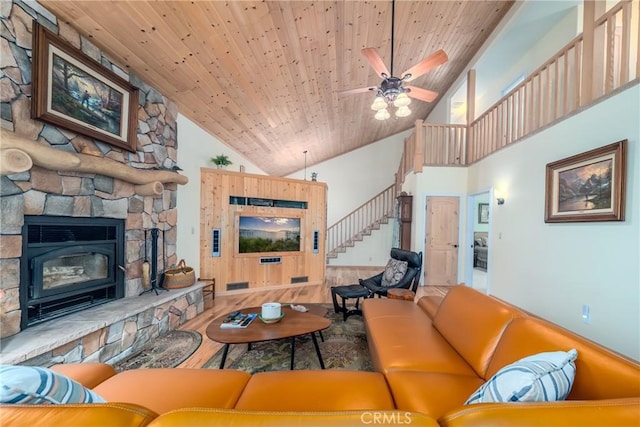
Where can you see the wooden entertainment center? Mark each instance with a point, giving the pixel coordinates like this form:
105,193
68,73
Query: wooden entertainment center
227,198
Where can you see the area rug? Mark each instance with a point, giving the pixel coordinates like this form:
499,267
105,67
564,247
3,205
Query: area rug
344,347
167,351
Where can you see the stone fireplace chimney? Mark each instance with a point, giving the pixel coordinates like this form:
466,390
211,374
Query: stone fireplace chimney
43,192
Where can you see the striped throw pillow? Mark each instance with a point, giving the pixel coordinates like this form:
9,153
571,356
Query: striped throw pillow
543,377
32,385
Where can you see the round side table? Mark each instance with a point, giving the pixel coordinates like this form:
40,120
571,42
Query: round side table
400,293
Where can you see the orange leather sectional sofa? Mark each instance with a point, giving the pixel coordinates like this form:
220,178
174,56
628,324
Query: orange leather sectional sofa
430,358
434,356
208,397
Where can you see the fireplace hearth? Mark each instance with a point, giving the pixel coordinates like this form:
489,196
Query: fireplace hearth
68,265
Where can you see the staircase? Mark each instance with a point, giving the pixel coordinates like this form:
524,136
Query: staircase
361,222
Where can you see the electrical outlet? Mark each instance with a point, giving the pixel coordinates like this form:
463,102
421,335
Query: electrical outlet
586,313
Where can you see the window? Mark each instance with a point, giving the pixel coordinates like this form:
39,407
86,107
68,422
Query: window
512,86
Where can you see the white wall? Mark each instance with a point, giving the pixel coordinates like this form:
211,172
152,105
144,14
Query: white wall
530,33
195,148
369,169
553,269
491,83
353,179
371,251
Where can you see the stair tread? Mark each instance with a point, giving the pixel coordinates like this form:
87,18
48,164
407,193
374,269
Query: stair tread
364,212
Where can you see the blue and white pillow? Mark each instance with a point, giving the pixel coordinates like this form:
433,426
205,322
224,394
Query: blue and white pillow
32,385
543,377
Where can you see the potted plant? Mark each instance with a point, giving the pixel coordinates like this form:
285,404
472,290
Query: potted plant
221,160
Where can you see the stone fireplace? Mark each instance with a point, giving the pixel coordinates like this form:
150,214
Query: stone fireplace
40,278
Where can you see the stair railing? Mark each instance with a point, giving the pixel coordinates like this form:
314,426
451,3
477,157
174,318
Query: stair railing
368,216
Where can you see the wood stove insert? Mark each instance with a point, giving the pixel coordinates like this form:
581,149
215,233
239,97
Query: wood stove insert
68,265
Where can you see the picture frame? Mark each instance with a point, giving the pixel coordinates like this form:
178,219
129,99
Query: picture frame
483,213
587,187
73,91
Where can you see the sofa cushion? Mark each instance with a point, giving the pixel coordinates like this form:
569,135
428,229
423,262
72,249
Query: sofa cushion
600,373
323,390
544,377
76,415
163,390
400,336
472,323
434,394
87,374
221,417
394,272
430,304
596,413
34,385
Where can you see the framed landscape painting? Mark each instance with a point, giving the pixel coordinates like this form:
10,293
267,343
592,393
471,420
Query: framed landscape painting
483,213
588,186
73,91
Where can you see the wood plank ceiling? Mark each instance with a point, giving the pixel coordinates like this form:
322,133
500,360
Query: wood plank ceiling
265,77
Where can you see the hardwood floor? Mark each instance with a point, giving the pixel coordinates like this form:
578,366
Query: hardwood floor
298,294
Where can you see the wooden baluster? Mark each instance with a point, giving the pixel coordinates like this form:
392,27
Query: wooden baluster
577,84
565,85
610,55
625,43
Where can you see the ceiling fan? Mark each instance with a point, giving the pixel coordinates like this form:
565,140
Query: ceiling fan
393,90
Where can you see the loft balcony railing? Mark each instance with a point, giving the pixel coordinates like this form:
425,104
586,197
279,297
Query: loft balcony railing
596,63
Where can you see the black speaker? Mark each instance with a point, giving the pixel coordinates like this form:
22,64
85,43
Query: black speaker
215,242
316,243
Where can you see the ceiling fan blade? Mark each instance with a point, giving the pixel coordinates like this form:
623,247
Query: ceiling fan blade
359,90
422,94
426,64
375,61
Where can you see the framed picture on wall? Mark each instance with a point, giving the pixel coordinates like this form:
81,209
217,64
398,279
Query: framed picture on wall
483,213
73,91
587,187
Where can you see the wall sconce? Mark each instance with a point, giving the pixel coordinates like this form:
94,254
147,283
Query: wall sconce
499,194
500,200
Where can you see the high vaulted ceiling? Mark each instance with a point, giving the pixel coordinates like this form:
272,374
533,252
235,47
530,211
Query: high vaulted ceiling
265,77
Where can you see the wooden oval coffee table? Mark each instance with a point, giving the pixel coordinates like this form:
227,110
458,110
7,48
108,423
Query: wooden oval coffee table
292,325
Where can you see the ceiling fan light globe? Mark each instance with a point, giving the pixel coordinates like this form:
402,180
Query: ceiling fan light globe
402,100
379,104
403,111
382,115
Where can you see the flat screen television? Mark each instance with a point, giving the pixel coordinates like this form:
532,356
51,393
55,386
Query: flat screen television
268,234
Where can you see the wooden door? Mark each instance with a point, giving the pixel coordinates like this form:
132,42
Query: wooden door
441,241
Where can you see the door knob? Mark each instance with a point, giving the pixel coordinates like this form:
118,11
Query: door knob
455,246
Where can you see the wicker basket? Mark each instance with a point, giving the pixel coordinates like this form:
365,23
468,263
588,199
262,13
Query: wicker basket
179,277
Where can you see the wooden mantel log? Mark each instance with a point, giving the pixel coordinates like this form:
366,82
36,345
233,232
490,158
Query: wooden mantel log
13,160
50,158
154,188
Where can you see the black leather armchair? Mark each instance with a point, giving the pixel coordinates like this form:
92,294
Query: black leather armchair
410,279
